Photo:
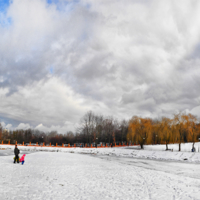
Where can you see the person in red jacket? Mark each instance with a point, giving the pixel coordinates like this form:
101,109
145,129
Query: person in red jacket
22,159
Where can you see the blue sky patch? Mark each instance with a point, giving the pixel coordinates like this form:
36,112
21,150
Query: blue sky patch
52,1
4,4
62,2
51,70
4,20
64,5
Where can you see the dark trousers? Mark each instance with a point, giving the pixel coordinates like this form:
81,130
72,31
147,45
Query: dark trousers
16,159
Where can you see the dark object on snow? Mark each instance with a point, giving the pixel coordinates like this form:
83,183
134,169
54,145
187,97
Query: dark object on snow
16,158
16,152
169,150
193,149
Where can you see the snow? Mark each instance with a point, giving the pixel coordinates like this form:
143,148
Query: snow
102,173
185,147
150,151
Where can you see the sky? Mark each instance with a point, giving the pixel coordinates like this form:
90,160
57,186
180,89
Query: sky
62,58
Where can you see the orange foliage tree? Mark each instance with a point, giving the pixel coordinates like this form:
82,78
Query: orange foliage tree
156,132
185,128
193,129
166,131
140,129
179,128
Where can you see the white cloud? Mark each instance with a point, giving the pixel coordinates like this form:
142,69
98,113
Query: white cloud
23,126
6,126
9,126
50,102
60,129
3,124
115,58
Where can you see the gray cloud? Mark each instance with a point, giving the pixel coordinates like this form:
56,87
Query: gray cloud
122,59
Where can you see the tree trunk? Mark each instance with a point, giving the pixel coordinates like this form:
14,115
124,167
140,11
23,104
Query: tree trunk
166,146
179,146
141,146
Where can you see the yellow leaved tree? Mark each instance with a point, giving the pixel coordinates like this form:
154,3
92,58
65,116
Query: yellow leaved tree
185,128
156,132
140,129
193,129
166,130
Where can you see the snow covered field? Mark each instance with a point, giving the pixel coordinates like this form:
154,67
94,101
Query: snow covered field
98,174
150,151
58,175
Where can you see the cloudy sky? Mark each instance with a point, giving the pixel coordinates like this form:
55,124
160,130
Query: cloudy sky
62,58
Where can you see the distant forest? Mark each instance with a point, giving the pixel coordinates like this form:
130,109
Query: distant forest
95,129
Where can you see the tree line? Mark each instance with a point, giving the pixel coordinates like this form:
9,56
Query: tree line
181,128
95,128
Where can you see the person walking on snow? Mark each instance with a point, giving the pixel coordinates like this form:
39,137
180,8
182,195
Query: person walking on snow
16,152
22,159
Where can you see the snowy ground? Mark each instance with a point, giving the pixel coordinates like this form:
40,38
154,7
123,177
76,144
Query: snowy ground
151,151
65,175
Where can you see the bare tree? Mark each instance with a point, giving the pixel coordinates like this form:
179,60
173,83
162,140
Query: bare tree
1,130
88,126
